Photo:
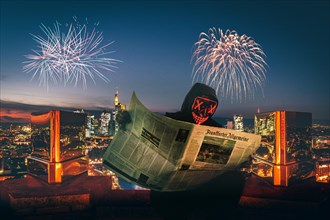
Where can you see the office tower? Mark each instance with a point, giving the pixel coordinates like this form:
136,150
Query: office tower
114,126
104,123
118,105
238,122
284,154
88,131
116,99
57,146
96,125
89,125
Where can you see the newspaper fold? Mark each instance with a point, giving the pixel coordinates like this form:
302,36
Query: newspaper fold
160,153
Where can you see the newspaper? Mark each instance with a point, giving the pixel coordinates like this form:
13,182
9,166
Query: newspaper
163,154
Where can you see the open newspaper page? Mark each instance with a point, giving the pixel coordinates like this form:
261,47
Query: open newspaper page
164,154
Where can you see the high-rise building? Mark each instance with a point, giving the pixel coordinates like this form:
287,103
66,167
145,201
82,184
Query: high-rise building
284,154
116,99
104,123
238,122
96,125
57,146
88,131
114,126
89,125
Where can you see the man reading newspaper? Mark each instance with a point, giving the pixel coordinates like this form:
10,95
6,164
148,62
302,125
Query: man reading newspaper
197,170
223,192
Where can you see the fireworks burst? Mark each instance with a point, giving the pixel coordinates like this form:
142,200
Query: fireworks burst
69,56
234,65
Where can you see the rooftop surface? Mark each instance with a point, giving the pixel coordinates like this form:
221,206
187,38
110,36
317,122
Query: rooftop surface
91,197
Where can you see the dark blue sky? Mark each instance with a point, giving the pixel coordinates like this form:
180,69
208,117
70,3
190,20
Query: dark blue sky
154,39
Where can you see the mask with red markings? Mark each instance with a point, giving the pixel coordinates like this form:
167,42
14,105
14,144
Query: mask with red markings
202,109
199,104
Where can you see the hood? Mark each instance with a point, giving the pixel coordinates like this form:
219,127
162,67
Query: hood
200,103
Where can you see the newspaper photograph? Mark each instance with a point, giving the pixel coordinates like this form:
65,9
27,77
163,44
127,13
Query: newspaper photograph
164,154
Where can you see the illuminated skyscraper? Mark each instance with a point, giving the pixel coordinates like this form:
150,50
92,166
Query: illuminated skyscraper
95,126
114,126
116,99
104,123
57,145
238,122
90,125
284,154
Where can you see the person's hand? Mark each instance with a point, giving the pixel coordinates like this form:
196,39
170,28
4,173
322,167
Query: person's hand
123,118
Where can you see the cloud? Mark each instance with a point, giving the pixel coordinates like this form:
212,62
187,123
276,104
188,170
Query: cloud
10,106
13,112
8,119
9,113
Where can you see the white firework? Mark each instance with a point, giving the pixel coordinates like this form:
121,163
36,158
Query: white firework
233,65
69,56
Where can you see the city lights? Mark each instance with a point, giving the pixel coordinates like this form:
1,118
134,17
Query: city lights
257,148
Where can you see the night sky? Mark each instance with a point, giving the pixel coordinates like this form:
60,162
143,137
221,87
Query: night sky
155,39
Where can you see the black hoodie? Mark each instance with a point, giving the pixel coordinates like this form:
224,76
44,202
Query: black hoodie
198,106
214,199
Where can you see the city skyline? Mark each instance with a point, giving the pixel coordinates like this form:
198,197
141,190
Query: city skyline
155,42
